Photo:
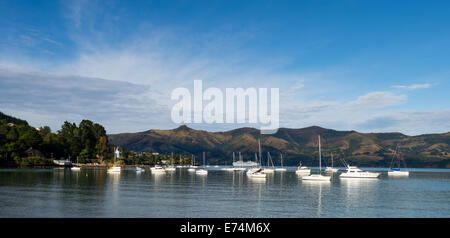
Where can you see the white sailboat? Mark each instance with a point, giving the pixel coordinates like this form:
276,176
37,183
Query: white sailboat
331,169
396,171
191,168
282,168
170,167
157,169
202,171
302,170
76,168
269,169
139,169
238,168
115,168
318,176
256,172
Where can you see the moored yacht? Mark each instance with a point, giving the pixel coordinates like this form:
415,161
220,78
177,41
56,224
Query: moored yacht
318,176
202,171
170,168
269,169
397,171
115,168
139,169
282,168
256,173
302,169
77,167
157,169
355,172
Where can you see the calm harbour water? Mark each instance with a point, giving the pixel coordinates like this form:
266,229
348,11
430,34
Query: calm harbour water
94,193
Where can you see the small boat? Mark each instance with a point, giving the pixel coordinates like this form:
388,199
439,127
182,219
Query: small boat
397,171
115,168
302,169
318,176
139,170
331,169
269,169
240,168
157,169
355,172
170,168
202,171
281,169
76,168
256,173
192,167
216,166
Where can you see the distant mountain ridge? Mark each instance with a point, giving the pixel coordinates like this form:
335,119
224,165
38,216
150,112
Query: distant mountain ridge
364,149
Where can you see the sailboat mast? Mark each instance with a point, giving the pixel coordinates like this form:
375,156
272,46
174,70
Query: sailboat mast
259,149
320,157
331,160
281,155
203,158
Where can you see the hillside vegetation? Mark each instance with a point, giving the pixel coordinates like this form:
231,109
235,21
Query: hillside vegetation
363,149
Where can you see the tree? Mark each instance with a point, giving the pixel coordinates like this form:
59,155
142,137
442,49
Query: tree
31,138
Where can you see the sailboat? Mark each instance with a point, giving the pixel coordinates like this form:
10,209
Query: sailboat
170,167
269,169
191,168
397,171
202,171
256,172
179,165
318,176
76,168
301,170
139,169
282,168
239,168
115,168
331,169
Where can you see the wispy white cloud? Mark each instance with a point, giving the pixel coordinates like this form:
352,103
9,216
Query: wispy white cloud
374,100
413,86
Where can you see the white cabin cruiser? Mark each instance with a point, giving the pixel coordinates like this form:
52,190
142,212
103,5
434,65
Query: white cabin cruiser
355,172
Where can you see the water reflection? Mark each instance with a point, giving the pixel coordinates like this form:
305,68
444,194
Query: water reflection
316,187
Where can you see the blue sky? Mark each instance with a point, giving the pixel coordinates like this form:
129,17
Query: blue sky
371,66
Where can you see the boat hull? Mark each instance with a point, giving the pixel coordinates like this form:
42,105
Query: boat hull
398,173
360,175
316,177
